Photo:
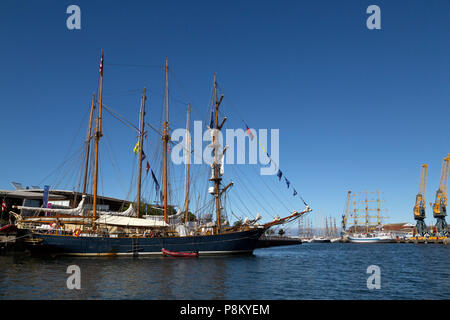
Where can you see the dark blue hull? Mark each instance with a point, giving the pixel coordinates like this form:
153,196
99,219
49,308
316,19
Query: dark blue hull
227,243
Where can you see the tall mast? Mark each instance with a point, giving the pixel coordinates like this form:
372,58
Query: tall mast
311,233
379,227
335,228
98,135
88,144
141,142
188,162
216,164
165,141
345,217
367,211
355,217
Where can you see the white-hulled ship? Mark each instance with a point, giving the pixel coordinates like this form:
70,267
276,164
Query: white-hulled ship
371,238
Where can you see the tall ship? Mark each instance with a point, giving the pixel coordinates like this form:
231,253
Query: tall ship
87,229
364,229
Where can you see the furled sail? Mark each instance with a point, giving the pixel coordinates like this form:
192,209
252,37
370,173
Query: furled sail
173,219
128,221
78,211
130,212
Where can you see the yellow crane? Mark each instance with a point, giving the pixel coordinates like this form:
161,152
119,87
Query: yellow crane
419,207
440,204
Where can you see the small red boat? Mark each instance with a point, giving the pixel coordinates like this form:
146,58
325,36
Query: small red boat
8,228
179,254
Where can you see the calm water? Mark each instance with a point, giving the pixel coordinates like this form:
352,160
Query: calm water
307,271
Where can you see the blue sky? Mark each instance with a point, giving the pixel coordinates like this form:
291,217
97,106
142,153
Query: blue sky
357,109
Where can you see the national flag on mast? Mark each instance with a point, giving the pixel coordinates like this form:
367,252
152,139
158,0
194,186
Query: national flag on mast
101,65
249,132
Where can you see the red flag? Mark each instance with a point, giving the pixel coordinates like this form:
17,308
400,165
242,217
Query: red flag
3,206
101,65
148,167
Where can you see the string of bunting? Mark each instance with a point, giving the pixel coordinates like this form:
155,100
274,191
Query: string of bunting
279,172
251,136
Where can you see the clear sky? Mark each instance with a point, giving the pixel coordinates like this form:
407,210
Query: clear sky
357,109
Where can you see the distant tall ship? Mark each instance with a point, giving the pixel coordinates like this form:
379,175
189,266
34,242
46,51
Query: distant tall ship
371,238
88,231
367,232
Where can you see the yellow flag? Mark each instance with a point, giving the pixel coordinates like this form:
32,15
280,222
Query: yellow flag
136,147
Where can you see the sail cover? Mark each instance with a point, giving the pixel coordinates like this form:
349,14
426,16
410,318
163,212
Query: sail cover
127,213
173,218
129,221
78,211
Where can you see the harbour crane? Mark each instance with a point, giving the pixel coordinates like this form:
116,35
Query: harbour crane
419,207
440,204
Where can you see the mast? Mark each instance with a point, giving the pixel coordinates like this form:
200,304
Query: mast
98,135
355,217
88,144
379,227
165,141
367,211
334,228
345,217
216,178
141,142
188,162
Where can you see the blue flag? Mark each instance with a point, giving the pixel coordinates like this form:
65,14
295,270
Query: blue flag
295,193
303,201
156,181
143,155
279,174
211,123
287,182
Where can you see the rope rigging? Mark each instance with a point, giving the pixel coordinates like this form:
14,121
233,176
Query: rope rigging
203,204
276,164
